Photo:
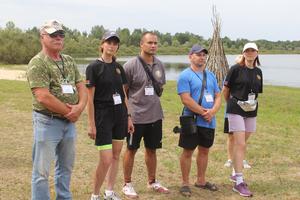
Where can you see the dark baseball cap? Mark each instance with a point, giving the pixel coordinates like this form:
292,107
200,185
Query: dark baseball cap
110,34
196,48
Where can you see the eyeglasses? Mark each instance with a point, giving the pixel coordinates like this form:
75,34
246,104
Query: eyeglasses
55,34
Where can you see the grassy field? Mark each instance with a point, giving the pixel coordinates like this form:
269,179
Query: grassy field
274,151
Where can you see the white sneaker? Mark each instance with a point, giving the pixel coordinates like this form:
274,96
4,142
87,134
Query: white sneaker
246,164
129,191
157,187
95,197
112,196
228,163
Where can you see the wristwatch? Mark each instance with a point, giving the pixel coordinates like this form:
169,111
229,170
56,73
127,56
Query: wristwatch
128,115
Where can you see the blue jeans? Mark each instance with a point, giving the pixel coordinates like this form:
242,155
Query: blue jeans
53,139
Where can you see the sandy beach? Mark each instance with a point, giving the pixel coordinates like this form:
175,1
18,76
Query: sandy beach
8,74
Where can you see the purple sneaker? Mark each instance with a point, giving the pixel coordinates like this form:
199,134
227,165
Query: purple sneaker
242,189
232,178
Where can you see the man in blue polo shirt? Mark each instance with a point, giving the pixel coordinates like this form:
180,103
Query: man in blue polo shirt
189,87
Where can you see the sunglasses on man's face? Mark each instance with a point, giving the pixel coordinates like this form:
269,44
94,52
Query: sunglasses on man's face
57,34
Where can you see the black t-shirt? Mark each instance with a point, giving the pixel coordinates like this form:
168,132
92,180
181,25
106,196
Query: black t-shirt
108,79
241,81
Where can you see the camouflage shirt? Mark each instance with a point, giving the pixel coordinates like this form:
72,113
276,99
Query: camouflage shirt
43,72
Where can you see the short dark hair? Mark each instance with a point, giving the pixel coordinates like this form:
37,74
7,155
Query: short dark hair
146,33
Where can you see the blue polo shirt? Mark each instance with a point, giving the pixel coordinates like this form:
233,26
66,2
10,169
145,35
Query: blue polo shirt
191,82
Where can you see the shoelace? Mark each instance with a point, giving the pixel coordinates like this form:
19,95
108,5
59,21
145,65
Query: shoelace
130,188
157,185
113,196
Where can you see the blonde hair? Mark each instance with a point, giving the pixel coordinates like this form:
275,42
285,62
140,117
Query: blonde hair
238,59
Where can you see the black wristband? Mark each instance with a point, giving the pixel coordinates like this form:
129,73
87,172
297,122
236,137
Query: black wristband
128,115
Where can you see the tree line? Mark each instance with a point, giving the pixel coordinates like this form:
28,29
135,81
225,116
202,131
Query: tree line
19,46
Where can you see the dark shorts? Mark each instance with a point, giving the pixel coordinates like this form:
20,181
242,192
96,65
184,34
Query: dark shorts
152,134
226,126
111,124
204,138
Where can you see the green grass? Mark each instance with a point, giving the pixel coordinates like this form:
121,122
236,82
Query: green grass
274,151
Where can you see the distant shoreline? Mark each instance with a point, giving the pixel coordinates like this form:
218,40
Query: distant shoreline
19,74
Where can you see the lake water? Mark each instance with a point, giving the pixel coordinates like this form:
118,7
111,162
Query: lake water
281,70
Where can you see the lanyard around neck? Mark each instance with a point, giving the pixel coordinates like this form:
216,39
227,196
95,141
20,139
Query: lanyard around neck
62,71
201,79
252,79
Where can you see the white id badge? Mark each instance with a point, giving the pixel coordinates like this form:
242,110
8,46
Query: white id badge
149,90
251,96
117,99
67,89
208,97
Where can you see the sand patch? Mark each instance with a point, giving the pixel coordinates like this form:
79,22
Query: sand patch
8,74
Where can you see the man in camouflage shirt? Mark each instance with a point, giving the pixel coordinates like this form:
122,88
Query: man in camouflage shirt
59,97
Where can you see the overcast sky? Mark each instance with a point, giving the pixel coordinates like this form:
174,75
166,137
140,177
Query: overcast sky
249,19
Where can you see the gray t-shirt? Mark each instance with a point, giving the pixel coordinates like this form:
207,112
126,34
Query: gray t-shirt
144,109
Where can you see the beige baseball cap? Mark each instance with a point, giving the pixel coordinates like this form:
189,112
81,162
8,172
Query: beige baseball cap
250,45
51,26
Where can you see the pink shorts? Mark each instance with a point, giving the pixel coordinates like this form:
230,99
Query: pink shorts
238,123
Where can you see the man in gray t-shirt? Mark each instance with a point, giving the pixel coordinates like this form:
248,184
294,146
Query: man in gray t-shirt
145,110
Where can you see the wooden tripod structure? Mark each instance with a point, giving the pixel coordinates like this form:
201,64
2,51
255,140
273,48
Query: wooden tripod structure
216,61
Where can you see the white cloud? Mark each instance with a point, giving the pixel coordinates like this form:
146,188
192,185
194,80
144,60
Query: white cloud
255,19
